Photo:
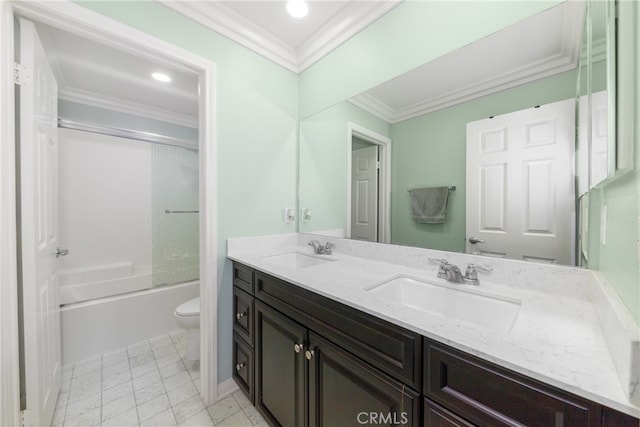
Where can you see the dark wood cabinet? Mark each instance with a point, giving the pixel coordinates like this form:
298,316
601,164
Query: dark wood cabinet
488,395
305,360
437,416
280,368
345,391
243,335
388,347
243,363
243,323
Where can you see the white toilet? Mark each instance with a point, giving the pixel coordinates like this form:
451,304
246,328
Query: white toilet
187,315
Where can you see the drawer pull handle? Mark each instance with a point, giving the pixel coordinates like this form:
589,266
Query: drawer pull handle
240,315
309,354
240,366
298,347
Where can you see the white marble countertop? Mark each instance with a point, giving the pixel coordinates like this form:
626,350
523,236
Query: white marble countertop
556,338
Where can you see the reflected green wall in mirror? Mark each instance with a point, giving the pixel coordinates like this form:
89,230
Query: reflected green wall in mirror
430,150
412,34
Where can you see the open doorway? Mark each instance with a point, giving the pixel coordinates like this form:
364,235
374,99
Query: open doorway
369,185
79,21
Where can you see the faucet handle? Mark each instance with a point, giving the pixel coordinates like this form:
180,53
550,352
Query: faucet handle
442,271
327,248
479,267
471,275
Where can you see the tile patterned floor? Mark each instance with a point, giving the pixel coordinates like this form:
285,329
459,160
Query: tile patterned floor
145,384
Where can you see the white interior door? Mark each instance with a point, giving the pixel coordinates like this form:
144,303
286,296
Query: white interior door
520,187
364,194
39,228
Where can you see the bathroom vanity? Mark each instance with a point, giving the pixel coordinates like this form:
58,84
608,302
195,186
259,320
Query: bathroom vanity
313,346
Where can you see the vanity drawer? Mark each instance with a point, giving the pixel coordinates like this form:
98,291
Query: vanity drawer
436,416
384,345
243,277
491,396
243,366
243,312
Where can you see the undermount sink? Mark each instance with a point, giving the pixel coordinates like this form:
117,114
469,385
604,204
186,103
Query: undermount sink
492,312
296,260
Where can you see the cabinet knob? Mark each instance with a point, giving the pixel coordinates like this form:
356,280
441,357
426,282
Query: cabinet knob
240,315
240,366
309,354
298,347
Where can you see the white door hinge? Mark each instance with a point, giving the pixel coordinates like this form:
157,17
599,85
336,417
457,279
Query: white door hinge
21,74
377,164
27,418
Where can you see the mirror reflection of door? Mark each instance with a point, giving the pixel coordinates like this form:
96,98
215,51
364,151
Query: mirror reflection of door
520,189
364,191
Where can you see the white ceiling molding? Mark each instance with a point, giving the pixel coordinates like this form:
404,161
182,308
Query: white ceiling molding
227,22
526,74
565,59
351,20
373,105
117,104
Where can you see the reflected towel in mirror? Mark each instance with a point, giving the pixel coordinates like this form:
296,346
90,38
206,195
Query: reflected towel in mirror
429,205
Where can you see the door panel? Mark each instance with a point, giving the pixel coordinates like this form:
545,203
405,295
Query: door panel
364,194
344,391
520,189
38,147
280,370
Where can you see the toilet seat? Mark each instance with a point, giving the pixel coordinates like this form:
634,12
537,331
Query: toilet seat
189,308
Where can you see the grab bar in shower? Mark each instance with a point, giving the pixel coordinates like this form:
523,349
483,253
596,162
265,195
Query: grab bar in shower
167,211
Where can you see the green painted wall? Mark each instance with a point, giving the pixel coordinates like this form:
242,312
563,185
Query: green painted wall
413,33
619,258
323,163
430,150
256,120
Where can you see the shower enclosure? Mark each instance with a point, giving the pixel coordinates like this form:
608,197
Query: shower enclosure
128,208
128,214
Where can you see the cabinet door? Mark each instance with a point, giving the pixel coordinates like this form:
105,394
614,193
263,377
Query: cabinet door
346,391
280,368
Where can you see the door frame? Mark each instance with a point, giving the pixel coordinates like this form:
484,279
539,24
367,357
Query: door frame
384,187
79,20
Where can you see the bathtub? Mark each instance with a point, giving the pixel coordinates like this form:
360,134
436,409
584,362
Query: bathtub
94,327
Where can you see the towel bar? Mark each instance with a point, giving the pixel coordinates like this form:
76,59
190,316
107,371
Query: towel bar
452,188
167,211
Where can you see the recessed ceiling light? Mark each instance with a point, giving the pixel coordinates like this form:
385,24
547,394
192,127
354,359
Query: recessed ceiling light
161,77
297,8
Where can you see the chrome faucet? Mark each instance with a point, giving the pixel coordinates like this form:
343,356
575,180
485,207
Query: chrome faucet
452,273
320,249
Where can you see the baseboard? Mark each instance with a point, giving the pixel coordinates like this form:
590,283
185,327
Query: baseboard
227,387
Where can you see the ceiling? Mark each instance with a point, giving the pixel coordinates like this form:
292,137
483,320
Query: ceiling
99,75
94,74
265,27
537,47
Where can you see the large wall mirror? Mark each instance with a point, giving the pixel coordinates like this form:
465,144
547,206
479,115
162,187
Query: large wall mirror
361,160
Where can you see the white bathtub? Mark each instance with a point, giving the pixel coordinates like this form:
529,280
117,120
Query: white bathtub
95,327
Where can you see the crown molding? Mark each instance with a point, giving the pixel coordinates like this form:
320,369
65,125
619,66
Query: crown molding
109,103
566,59
232,25
373,105
531,72
349,22
229,23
